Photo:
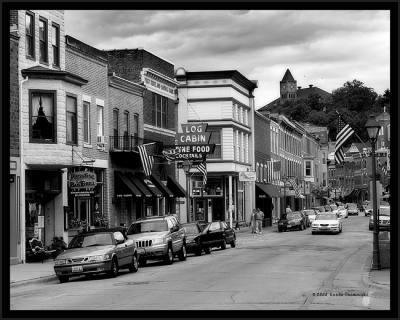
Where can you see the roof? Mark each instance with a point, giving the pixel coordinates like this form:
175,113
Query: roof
39,72
288,76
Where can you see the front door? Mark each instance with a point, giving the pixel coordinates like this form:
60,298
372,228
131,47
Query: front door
84,210
200,209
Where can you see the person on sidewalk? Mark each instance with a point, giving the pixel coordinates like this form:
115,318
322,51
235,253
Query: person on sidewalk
259,218
288,210
253,221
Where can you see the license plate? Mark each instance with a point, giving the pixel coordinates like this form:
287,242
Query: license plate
324,228
77,269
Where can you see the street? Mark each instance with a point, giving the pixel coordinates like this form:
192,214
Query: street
292,270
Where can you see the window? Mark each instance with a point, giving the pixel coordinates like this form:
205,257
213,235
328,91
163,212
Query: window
115,128
72,120
42,114
308,168
55,43
125,129
43,51
100,126
215,138
86,122
135,124
29,34
160,110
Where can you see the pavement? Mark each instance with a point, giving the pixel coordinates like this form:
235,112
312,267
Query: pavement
37,272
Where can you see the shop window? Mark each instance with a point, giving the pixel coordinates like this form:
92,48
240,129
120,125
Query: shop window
213,187
55,43
72,120
43,116
30,35
43,41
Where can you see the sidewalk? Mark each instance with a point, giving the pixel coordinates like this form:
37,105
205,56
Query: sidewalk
21,274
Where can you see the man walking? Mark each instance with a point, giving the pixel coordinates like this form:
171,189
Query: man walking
253,221
259,219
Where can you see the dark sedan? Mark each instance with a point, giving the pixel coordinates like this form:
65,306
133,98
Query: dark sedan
292,220
218,234
194,238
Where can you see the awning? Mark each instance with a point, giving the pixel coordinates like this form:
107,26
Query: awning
157,181
124,187
152,187
175,187
143,189
269,190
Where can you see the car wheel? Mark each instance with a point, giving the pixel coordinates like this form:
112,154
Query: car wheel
63,279
134,266
114,268
169,257
233,243
182,253
207,250
312,232
223,246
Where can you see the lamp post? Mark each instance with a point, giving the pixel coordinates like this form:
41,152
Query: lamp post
186,165
373,127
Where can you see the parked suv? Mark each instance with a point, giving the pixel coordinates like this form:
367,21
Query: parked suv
159,237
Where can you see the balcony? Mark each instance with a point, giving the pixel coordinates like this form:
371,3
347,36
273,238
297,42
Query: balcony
125,143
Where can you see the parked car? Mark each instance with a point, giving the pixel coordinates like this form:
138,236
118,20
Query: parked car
292,220
158,238
326,222
310,213
352,209
384,219
320,208
368,210
218,234
342,212
97,252
334,209
328,208
194,238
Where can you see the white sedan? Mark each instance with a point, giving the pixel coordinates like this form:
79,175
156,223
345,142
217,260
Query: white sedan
343,212
327,222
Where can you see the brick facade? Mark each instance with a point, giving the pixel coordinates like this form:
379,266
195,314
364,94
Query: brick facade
14,98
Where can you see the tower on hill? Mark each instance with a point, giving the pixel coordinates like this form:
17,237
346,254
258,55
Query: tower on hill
288,87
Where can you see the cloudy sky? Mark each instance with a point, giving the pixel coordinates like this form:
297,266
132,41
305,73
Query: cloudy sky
323,48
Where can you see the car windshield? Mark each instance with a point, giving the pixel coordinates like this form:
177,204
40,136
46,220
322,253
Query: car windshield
334,207
326,217
148,226
384,211
341,208
214,226
352,206
191,228
89,240
328,208
291,216
309,212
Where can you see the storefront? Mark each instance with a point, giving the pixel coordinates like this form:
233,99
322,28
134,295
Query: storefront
267,196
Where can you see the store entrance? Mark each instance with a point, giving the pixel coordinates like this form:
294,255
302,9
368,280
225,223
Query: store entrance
200,210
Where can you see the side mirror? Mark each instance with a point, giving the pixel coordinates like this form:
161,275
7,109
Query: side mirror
119,241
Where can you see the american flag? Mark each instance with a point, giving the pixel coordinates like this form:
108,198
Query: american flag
147,161
203,169
344,133
295,187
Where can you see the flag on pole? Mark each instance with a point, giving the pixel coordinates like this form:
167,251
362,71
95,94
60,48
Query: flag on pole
147,161
295,188
203,169
344,133
170,155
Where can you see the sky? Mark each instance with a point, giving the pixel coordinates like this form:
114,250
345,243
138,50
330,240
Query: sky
323,48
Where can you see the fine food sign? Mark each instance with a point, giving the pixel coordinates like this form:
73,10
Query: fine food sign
82,182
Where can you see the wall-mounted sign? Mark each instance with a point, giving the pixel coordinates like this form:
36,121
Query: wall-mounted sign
82,182
247,176
193,134
159,83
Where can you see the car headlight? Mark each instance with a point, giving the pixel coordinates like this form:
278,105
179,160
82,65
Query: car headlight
60,262
99,258
158,241
315,225
334,225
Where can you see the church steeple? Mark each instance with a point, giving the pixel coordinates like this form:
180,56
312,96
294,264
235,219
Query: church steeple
288,87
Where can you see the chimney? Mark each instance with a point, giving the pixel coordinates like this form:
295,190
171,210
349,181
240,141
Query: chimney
310,85
298,88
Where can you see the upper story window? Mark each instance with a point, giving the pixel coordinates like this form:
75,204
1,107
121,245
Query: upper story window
115,122
43,42
86,122
72,120
30,35
42,116
126,123
215,138
55,43
308,168
135,124
160,110
100,119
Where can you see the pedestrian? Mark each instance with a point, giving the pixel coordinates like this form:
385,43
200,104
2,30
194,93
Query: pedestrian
253,221
259,219
288,210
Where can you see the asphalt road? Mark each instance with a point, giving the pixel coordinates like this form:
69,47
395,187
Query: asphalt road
274,271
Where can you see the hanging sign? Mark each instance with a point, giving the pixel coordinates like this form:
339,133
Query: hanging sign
247,176
193,134
82,182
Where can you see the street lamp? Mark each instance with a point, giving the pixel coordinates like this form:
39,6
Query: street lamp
186,165
373,127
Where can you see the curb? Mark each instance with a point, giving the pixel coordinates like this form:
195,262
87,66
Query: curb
366,277
20,283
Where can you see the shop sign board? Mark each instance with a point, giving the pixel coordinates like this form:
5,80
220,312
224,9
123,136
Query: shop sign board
82,182
247,176
193,134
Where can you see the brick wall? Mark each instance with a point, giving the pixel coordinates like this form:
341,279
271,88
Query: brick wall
262,138
14,98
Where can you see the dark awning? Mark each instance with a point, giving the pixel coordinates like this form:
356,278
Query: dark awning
124,187
269,190
152,187
143,189
175,187
157,181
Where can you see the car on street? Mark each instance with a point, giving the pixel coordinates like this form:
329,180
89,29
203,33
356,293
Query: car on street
194,237
292,220
99,251
158,238
342,212
352,209
368,210
319,209
326,222
310,213
384,219
218,234
334,209
328,208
